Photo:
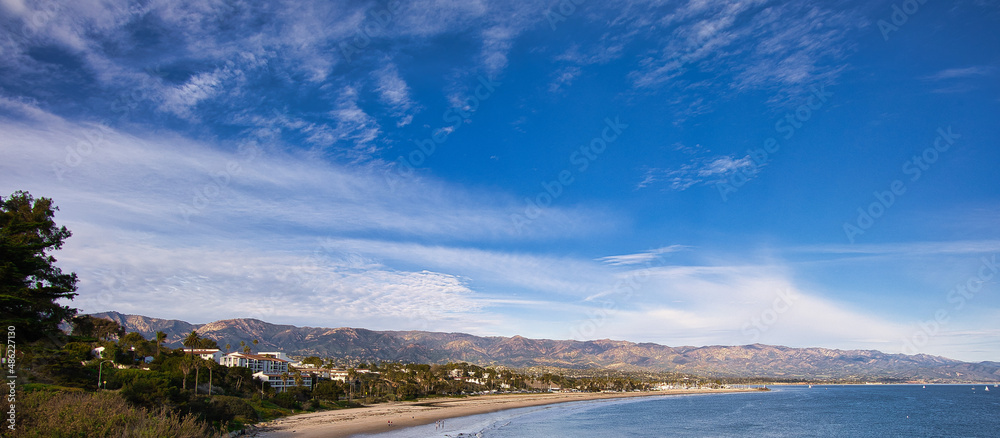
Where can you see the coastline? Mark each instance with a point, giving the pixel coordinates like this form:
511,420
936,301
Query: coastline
371,419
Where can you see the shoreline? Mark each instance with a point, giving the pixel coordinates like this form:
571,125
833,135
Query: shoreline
343,423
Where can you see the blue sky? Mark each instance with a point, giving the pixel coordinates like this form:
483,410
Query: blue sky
687,173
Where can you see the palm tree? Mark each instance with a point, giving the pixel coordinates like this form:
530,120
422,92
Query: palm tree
186,369
284,381
197,370
160,338
228,347
191,341
210,365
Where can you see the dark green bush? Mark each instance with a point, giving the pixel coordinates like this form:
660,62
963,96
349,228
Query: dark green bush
61,414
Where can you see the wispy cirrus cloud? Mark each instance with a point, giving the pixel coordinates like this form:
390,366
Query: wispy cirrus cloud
254,231
352,125
156,173
749,45
642,257
701,170
959,73
276,286
958,80
394,92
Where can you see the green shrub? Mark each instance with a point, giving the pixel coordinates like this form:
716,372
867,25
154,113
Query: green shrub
286,400
77,351
235,408
150,390
59,414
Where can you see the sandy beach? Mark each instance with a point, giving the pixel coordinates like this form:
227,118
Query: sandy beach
375,418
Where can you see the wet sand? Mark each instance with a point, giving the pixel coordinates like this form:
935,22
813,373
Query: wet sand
375,418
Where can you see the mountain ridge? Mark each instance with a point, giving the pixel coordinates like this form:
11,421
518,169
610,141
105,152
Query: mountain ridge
753,360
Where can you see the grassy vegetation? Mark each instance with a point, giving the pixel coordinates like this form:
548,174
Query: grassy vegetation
57,414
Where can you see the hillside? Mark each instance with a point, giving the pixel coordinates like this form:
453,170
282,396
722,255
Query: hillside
755,360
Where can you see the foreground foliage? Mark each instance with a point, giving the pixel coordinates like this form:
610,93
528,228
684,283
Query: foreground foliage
30,282
55,414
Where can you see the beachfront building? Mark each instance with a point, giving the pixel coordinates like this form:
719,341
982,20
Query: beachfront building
256,362
212,354
282,381
275,355
330,373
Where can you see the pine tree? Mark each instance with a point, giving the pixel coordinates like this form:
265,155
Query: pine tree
30,283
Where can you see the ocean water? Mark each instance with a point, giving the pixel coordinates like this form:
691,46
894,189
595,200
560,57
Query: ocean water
796,411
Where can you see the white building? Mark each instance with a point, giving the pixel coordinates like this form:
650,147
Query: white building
212,354
276,355
256,362
280,384
335,374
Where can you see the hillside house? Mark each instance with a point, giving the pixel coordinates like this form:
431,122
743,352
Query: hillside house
212,354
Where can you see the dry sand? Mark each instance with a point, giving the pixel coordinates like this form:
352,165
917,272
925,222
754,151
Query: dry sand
374,419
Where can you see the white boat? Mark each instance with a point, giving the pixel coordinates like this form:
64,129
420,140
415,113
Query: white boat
987,388
925,386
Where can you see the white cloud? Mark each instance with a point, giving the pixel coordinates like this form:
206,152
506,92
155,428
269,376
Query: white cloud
353,125
748,46
394,92
160,175
25,107
427,18
564,77
959,73
733,305
548,275
250,234
700,170
199,283
960,247
497,41
181,99
642,257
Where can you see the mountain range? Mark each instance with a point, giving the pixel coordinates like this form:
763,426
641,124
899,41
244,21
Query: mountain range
756,360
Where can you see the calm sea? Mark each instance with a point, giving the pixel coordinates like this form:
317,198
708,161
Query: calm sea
820,411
